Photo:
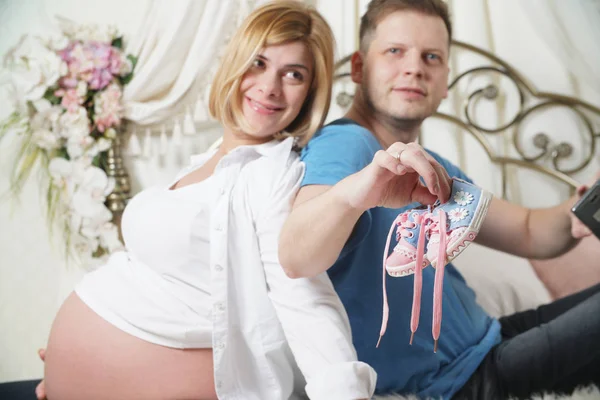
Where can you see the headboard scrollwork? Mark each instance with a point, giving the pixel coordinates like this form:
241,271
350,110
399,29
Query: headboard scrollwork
558,158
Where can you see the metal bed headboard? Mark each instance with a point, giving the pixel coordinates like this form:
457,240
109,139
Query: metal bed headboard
550,155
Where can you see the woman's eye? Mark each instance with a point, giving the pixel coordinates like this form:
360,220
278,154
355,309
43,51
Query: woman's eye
258,63
394,50
295,75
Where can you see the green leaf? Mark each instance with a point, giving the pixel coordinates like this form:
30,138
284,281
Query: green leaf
126,79
49,95
117,42
133,60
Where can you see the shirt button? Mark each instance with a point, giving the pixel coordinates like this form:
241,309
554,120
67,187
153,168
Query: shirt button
222,192
218,228
218,268
220,307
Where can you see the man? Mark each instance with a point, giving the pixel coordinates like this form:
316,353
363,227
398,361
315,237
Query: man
354,189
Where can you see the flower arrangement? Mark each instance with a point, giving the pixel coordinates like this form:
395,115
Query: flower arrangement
67,95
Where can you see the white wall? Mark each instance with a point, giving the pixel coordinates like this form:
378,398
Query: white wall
33,276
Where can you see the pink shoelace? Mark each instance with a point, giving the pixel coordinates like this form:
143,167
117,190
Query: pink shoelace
429,223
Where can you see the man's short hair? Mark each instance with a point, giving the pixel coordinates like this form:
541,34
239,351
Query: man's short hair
378,9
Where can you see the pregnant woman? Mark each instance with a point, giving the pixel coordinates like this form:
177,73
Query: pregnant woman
198,306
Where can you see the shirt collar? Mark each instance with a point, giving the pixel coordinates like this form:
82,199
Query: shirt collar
274,148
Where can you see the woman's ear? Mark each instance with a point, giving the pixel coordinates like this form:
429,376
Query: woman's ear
356,67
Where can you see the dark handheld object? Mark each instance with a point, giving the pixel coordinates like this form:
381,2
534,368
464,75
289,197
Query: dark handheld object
587,209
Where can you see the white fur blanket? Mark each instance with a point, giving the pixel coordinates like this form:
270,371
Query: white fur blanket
591,393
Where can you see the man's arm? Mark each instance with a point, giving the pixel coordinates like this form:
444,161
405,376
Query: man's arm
533,233
323,217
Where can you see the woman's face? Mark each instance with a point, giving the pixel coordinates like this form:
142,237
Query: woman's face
275,87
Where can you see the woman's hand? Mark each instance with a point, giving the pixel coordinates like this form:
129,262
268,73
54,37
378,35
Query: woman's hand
40,390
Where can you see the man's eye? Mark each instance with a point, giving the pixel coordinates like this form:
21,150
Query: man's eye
394,50
432,57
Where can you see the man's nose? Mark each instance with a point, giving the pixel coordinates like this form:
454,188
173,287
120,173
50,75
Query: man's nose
413,64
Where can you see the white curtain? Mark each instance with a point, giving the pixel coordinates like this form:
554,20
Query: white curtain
579,49
177,46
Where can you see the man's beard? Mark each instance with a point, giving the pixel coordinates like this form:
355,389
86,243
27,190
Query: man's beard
387,118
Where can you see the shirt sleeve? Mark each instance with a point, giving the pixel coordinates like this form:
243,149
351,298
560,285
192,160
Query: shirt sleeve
311,314
338,151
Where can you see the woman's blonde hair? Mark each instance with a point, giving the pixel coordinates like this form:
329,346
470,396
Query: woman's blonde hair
274,24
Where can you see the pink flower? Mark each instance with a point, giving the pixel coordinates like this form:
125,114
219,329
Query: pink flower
71,101
93,62
100,78
115,62
107,108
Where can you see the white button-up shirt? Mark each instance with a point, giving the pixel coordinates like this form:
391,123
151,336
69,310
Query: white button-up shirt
265,324
263,327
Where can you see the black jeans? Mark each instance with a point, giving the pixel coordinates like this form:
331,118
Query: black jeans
21,390
554,348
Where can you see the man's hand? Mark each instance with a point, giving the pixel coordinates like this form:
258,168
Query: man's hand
40,390
579,229
392,179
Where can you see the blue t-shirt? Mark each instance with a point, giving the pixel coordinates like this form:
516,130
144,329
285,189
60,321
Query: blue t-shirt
468,333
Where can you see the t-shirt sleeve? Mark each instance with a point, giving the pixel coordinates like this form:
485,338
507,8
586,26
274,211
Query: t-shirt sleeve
338,151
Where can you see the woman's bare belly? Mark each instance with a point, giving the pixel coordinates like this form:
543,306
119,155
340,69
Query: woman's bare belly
89,358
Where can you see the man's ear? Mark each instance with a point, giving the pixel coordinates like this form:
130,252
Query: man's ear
356,67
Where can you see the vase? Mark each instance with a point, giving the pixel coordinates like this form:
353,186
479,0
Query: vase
117,200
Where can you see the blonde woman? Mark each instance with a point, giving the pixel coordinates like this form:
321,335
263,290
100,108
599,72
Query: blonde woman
198,307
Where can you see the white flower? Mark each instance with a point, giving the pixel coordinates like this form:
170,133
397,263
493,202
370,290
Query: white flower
87,32
84,247
67,174
56,42
75,124
44,125
88,199
126,66
42,105
463,198
458,214
103,144
79,146
45,139
82,88
109,237
110,133
34,68
91,227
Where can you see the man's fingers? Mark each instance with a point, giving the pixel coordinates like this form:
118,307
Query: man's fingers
445,181
414,157
422,195
387,161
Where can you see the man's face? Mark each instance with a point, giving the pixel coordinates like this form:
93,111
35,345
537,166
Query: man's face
405,70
